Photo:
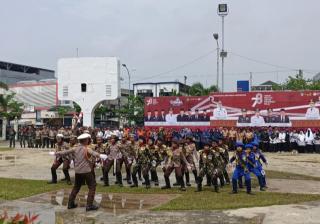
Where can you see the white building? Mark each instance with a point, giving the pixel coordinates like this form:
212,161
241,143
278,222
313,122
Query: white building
88,82
156,89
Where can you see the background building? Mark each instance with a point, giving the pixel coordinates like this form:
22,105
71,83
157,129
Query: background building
156,89
11,73
266,86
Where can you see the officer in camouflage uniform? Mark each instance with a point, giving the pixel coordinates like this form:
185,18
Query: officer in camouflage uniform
143,162
190,151
99,148
208,165
224,152
156,159
64,159
128,149
174,161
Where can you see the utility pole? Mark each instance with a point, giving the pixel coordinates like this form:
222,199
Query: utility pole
250,81
223,11
216,37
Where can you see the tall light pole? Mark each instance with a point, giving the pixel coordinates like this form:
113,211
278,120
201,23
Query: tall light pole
216,37
222,11
125,66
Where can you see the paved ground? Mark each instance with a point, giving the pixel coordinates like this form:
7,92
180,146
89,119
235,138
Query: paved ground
35,164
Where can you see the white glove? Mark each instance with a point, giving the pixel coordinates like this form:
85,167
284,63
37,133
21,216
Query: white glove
103,156
52,153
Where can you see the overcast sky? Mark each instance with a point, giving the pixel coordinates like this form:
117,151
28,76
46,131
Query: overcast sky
161,38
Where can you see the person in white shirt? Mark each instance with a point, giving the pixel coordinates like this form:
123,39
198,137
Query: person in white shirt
257,119
301,142
312,112
309,141
170,117
220,112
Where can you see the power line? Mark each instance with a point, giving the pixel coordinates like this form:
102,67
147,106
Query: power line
262,62
178,67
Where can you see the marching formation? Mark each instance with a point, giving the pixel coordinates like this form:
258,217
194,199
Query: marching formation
141,158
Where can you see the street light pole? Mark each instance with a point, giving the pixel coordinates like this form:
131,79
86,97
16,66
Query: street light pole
129,95
222,11
216,37
125,66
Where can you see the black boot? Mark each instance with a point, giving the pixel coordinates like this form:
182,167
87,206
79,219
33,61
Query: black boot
129,177
248,185
54,176
146,177
208,180
72,205
215,184
234,186
92,208
199,185
240,183
226,176
119,179
260,179
182,185
106,180
67,176
167,186
221,178
139,174
156,179
188,179
135,181
195,174
177,182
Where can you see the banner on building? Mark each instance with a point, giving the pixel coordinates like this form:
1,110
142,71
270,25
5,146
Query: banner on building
282,108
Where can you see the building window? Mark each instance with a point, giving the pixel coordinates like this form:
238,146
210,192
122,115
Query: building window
83,87
65,91
108,90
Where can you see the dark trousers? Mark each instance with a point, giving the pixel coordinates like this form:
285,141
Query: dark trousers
81,179
52,143
12,142
45,142
65,169
22,141
145,172
107,166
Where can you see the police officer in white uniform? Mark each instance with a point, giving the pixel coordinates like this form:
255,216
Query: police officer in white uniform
220,112
257,119
312,112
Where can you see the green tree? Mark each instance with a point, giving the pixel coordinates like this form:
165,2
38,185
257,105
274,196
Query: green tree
133,112
9,108
62,110
298,82
197,89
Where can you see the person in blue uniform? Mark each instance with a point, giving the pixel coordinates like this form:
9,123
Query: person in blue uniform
258,158
242,169
252,165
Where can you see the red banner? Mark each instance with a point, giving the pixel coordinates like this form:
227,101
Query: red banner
280,108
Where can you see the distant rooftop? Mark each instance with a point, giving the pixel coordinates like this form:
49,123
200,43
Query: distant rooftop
21,68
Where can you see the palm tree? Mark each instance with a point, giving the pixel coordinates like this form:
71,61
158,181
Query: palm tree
9,108
197,89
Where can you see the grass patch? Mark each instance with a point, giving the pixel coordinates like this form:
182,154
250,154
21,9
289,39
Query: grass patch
207,200
11,189
272,174
2,149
